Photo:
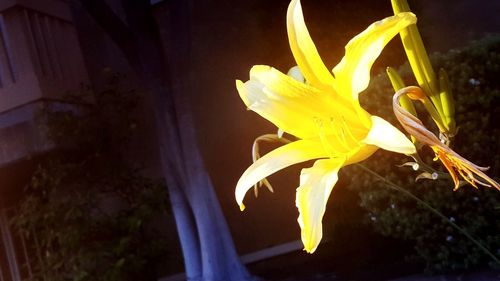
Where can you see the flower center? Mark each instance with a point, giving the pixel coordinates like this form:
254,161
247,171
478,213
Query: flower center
336,137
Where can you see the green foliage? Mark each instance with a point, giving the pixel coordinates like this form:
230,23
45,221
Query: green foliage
87,213
473,72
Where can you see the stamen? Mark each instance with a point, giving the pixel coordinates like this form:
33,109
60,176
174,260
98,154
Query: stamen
345,136
449,166
344,123
339,134
324,140
466,177
256,155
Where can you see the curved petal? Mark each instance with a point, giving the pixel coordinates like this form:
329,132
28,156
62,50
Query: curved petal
293,106
282,157
361,154
352,74
316,184
386,136
304,51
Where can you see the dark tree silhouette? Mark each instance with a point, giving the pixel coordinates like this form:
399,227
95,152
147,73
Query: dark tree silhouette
207,246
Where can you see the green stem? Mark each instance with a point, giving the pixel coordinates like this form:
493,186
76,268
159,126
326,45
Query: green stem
422,166
432,209
436,116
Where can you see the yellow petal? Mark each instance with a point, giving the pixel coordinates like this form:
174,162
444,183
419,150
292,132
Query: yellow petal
316,184
293,106
352,74
361,154
304,51
386,136
282,157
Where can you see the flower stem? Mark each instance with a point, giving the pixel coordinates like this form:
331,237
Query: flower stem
432,209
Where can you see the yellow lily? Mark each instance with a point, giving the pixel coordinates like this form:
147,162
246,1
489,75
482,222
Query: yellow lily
324,115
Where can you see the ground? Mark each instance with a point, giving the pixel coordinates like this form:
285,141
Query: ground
325,265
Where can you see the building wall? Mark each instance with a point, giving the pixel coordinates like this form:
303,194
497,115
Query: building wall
40,63
40,54
40,60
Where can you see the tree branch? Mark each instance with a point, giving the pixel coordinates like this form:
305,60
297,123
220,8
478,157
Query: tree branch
117,30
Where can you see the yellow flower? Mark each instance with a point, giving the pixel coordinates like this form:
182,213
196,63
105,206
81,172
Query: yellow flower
452,161
324,115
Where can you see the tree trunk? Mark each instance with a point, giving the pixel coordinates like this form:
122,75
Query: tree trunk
207,246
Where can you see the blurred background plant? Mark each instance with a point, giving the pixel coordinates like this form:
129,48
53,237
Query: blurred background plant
473,72
87,213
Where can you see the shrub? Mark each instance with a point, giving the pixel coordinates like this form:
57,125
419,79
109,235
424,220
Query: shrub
474,73
87,213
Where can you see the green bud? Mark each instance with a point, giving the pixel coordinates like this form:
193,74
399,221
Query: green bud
447,101
419,60
398,84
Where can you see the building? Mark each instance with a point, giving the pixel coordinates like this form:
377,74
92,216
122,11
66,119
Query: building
44,55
